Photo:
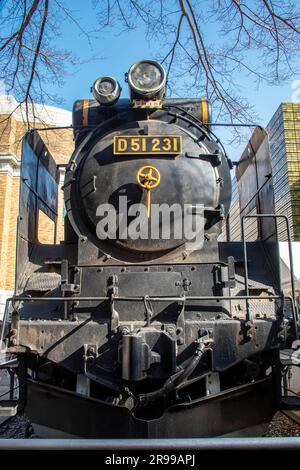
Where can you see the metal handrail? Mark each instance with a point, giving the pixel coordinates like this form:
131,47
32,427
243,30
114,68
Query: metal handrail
293,297
217,298
3,324
195,444
181,299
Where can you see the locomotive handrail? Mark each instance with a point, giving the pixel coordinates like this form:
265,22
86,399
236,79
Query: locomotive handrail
55,128
234,124
4,319
293,296
217,298
181,299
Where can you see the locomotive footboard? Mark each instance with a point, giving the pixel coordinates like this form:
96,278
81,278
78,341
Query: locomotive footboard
227,412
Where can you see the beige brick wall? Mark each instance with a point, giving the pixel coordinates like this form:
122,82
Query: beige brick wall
60,144
11,245
9,207
61,213
45,229
5,204
7,132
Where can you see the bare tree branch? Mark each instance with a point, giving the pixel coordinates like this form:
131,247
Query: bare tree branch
29,60
266,28
254,41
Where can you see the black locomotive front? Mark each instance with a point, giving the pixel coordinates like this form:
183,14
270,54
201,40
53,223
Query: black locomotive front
149,329
110,174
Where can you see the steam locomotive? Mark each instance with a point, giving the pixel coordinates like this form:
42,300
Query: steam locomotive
116,334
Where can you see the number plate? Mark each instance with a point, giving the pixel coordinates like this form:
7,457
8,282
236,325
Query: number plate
147,145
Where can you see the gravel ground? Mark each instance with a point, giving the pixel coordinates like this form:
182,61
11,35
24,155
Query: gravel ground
17,427
283,426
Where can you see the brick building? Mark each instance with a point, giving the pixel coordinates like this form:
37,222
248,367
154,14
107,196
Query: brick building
13,126
284,138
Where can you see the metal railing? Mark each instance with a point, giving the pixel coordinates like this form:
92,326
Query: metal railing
107,445
244,241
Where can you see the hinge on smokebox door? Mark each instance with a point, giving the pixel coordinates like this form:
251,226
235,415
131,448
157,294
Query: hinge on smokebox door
112,292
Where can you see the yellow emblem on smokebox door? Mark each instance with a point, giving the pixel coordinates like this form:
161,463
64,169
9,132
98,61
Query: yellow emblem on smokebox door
148,177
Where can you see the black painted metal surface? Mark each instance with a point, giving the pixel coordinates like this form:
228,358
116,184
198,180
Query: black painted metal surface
207,417
129,316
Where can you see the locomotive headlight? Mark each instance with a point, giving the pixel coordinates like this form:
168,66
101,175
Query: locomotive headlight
147,79
106,90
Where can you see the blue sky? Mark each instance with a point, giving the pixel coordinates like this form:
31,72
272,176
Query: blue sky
116,52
